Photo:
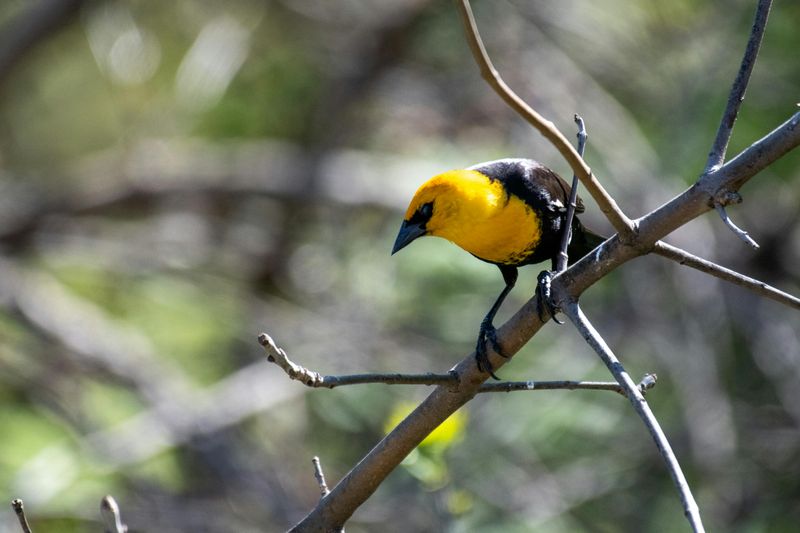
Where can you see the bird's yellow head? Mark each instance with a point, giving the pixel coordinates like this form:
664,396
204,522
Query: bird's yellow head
451,205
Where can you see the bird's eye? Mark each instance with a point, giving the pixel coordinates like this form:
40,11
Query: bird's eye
426,210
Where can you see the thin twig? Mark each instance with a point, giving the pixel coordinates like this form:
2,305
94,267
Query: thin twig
112,519
593,338
759,287
647,383
312,379
563,258
607,205
323,486
717,155
742,234
19,509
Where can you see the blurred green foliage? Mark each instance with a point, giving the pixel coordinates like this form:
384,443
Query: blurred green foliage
176,177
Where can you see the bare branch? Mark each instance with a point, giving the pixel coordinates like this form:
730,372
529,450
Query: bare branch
313,379
647,383
607,205
563,258
742,234
717,155
723,183
112,519
759,287
753,159
729,177
593,338
323,486
19,509
276,355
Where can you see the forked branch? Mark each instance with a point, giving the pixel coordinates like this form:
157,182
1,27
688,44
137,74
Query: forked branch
717,155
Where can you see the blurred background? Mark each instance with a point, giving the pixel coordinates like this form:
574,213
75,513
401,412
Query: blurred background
176,177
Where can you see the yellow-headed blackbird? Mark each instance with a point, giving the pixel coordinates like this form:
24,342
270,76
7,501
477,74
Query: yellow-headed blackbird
509,212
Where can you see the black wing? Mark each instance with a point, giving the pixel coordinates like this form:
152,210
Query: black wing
538,186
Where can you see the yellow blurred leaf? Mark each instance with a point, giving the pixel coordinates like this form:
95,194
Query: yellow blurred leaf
447,433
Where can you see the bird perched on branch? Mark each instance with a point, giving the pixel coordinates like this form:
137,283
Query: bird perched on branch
509,212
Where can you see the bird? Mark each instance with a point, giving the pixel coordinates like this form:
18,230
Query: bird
509,212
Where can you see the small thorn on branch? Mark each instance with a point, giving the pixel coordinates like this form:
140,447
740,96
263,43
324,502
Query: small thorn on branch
720,207
19,509
323,486
112,519
647,383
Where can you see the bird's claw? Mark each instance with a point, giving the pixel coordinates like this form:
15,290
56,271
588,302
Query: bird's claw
545,302
487,334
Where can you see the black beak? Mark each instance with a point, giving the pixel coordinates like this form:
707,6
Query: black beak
408,232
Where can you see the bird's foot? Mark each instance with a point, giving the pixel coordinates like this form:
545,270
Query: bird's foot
545,303
487,334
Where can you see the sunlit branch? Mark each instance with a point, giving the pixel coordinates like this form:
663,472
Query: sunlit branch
607,205
717,155
19,510
320,476
593,338
313,379
563,258
739,232
759,287
112,519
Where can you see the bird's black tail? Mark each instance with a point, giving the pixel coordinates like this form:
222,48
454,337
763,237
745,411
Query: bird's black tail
583,241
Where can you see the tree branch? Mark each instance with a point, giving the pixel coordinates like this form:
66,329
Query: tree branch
112,519
739,232
730,177
320,476
753,159
315,380
736,96
19,510
563,258
759,287
593,338
608,206
647,383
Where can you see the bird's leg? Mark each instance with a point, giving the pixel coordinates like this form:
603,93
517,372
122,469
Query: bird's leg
545,297
487,331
